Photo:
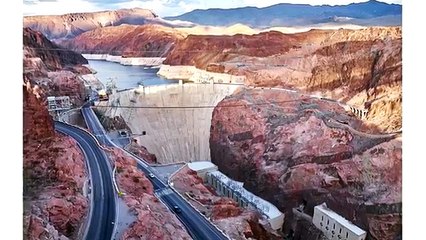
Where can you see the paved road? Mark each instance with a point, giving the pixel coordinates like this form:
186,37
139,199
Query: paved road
197,226
103,209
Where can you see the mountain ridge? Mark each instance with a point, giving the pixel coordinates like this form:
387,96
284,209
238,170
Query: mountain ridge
295,14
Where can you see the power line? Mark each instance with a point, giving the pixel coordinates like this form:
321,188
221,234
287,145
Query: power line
195,107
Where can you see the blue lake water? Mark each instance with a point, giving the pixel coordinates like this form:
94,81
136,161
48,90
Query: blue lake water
127,76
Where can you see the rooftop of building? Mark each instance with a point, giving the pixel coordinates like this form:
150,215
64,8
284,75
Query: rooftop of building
264,206
323,207
202,165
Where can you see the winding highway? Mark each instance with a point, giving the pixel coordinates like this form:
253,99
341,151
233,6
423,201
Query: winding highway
102,209
196,224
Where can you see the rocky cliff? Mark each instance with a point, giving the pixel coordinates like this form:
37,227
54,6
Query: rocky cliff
36,45
51,69
202,50
127,40
54,174
360,67
72,24
53,166
292,149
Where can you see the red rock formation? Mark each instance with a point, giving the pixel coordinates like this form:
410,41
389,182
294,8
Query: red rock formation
201,51
141,151
154,220
53,166
54,174
236,222
291,149
72,24
52,70
127,40
360,67
36,45
37,123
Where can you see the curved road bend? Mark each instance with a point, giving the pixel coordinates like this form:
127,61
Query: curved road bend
196,224
100,226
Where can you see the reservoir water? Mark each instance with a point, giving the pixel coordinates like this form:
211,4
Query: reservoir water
127,76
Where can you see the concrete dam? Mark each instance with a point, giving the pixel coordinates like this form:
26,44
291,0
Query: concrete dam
175,118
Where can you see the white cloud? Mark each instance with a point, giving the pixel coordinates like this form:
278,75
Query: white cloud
265,3
59,7
160,7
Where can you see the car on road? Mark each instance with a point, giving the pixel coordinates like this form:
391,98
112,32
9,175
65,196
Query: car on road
123,133
151,175
177,209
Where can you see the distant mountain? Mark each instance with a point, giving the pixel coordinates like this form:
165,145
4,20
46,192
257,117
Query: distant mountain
67,26
285,14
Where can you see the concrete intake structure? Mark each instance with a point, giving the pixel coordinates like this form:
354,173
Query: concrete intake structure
176,134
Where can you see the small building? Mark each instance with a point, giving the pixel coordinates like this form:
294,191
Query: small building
202,168
334,226
235,190
228,187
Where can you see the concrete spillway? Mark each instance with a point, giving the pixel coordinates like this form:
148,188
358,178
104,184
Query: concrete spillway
172,134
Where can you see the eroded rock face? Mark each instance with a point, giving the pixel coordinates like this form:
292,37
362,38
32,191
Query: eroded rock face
70,25
141,151
154,220
53,166
292,149
360,67
37,123
200,51
127,41
54,175
52,71
236,222
52,56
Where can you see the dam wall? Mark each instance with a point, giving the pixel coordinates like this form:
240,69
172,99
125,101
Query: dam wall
177,131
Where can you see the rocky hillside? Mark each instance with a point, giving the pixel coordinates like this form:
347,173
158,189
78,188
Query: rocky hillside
360,67
127,40
371,13
70,25
51,69
236,222
292,149
36,45
204,50
153,219
53,166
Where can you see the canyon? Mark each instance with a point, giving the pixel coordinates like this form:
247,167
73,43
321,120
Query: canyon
55,175
268,107
293,149
358,67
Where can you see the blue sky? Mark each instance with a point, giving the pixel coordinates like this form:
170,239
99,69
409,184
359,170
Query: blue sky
161,7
